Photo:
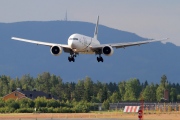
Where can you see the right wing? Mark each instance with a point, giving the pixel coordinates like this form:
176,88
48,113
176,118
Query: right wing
123,45
65,47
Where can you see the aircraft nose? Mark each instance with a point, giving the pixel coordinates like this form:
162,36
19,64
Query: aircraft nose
72,44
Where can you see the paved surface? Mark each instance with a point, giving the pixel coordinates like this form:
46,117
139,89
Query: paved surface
70,119
89,119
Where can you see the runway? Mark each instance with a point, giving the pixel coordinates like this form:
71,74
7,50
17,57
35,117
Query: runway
70,119
89,116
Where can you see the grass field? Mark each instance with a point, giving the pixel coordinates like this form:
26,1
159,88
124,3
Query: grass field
36,116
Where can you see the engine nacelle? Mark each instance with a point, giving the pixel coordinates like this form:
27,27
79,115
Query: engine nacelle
56,50
107,50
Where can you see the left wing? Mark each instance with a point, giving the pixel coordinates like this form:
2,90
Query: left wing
123,45
65,47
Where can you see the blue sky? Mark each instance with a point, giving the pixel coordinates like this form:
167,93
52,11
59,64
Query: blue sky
147,18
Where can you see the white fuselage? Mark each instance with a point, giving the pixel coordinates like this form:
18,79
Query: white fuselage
81,43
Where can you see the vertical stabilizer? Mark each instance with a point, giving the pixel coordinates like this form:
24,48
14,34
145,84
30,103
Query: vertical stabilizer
96,28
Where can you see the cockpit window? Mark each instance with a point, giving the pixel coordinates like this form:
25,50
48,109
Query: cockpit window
73,38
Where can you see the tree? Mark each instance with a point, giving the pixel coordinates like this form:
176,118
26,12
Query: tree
144,84
26,103
52,103
17,83
115,97
149,93
12,85
122,90
96,89
87,95
43,82
67,91
54,80
27,82
88,89
40,102
58,89
99,95
79,90
132,89
11,103
178,97
112,87
104,93
173,94
164,85
160,93
164,82
177,86
4,85
2,104
105,105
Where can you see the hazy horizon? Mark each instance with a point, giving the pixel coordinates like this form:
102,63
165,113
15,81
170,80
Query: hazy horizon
149,19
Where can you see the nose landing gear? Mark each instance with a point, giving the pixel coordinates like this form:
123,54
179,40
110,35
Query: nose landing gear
71,57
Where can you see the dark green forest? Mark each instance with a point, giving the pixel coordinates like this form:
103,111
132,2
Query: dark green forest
90,91
82,95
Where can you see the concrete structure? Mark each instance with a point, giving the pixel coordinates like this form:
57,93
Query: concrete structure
166,95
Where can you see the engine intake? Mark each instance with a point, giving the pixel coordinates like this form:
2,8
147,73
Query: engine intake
56,50
107,50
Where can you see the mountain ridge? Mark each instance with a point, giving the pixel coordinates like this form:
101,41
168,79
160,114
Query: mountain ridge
145,62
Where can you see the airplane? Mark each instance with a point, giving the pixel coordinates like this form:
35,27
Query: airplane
81,44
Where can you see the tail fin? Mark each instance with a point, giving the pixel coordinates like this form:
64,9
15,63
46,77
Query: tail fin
96,28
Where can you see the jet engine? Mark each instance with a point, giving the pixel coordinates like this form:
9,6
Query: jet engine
107,50
56,50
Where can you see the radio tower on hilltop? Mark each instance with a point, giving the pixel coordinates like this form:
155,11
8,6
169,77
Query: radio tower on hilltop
65,19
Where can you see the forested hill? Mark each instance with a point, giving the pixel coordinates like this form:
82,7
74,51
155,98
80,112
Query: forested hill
146,62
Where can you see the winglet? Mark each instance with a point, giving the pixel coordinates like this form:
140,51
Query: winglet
163,39
96,28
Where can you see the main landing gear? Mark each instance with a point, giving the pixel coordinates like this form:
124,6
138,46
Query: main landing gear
71,57
99,59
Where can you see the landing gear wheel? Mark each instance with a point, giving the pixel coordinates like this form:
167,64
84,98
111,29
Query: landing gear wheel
100,59
70,58
73,59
